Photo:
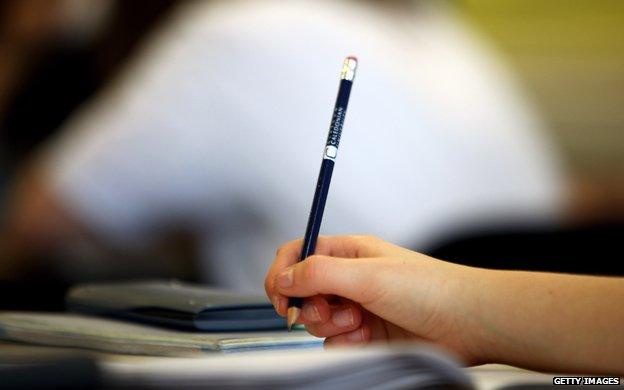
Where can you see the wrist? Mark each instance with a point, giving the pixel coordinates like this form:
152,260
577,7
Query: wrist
480,339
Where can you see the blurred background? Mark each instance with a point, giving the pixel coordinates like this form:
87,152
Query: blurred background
569,56
56,55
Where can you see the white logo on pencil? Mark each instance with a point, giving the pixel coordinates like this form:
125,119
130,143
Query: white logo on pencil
330,152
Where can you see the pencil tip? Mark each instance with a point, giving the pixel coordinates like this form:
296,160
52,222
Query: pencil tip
292,317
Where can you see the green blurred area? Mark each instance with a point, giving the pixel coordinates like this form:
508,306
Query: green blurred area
570,57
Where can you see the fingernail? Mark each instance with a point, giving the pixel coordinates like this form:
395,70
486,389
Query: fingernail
356,335
343,318
310,311
285,279
276,302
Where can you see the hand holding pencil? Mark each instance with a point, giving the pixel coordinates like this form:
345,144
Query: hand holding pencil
360,289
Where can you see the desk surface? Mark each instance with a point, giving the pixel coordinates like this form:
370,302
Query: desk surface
495,376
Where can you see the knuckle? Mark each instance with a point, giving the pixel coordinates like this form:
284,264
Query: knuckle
363,243
354,237
286,246
362,239
280,249
370,239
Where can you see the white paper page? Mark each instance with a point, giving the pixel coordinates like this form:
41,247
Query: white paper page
339,368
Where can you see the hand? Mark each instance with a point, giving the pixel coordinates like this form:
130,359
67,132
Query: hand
360,289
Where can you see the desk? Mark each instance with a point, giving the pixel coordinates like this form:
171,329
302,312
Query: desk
495,376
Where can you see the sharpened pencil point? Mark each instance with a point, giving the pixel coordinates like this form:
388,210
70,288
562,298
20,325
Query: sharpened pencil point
292,317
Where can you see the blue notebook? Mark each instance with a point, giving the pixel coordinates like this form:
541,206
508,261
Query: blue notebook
175,304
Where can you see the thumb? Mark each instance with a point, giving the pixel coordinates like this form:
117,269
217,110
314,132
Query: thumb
354,279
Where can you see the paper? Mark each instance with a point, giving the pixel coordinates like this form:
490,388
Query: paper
355,368
75,330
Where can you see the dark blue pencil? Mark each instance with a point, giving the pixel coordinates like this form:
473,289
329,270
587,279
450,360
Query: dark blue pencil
324,179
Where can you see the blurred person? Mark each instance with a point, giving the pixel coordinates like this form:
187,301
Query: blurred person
56,54
361,289
36,36
216,126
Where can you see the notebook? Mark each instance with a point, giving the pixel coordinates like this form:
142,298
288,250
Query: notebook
116,336
176,305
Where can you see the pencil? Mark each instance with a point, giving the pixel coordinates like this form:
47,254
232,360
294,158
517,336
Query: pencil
324,179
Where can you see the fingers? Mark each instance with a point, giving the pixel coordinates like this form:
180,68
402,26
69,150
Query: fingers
360,335
371,329
314,310
286,255
344,325
337,246
342,318
351,279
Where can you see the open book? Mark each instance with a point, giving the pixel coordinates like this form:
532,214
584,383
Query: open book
356,368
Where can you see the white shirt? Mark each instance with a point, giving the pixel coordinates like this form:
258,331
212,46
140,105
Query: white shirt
220,121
